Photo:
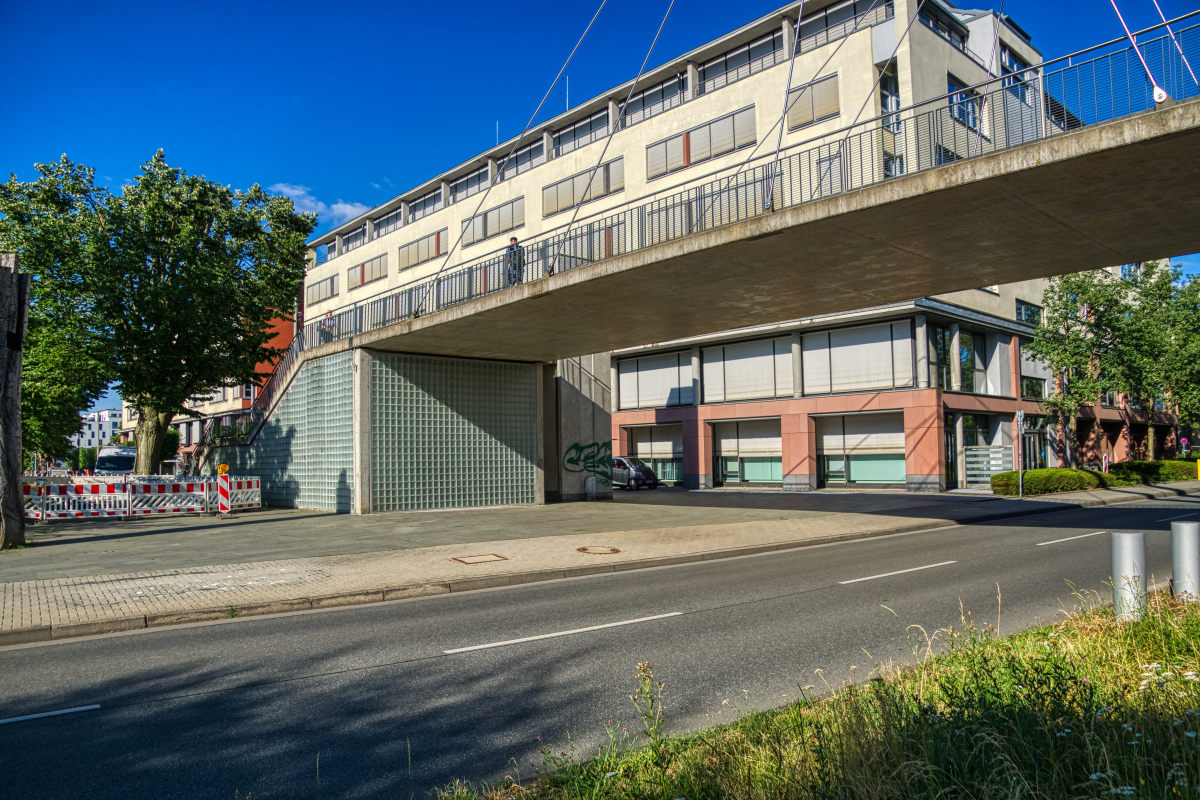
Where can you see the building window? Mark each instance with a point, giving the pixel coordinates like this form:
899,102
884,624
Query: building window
741,63
893,166
1109,399
322,290
654,101
422,250
387,224
813,103
1130,272
935,22
366,272
586,131
424,206
977,430
1033,388
469,184
889,99
716,138
326,252
964,102
573,191
941,355
867,358
523,160
1029,313
501,219
353,240
655,381
973,360
1016,72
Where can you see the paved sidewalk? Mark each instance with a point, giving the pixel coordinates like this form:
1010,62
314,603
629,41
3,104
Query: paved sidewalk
96,577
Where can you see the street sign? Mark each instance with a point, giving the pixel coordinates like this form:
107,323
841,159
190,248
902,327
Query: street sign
1020,420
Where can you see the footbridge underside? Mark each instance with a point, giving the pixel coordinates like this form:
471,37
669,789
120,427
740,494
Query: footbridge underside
1115,193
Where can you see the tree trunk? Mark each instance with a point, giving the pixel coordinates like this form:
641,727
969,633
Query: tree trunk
148,434
1151,445
14,305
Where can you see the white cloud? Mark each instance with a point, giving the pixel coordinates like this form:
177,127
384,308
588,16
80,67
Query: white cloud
376,185
339,212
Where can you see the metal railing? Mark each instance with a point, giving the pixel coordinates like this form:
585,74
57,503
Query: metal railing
990,117
984,462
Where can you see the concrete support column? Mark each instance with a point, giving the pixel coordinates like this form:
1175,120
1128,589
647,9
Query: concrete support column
799,452
540,420
404,212
337,246
445,193
361,429
697,367
614,111
693,81
614,404
797,366
922,345
548,144
493,170
960,453
702,478
924,444
549,470
955,358
370,229
789,36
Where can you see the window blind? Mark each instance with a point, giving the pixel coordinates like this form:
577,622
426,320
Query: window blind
658,380
657,441
627,379
861,358
713,368
749,370
902,350
874,433
759,437
815,358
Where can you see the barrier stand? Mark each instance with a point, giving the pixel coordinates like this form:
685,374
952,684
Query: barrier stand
223,491
1128,574
1185,561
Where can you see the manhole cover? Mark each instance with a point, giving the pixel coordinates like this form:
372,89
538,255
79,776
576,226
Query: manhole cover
479,559
599,551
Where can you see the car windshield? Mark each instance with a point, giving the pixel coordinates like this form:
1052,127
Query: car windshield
635,462
114,463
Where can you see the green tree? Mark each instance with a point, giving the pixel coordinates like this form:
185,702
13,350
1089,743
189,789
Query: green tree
1076,340
176,278
1142,338
170,444
1181,363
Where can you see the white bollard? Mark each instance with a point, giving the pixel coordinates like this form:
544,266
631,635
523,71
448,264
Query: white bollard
1185,560
1128,574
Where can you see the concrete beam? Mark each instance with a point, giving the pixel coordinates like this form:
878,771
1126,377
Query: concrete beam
1116,193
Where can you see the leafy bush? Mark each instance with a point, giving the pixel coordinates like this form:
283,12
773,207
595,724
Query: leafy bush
1158,471
1047,481
1062,479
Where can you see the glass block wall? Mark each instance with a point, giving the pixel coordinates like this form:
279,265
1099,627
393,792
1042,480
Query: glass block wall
451,433
305,452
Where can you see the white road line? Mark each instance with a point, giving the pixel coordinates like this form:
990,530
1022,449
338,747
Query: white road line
1181,516
898,572
48,714
1072,538
561,633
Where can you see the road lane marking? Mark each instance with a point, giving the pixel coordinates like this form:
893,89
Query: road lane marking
561,633
1181,516
898,572
48,714
1072,538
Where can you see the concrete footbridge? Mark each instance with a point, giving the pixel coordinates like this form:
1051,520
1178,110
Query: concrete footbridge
451,391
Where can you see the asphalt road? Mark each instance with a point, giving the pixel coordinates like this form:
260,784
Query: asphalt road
246,706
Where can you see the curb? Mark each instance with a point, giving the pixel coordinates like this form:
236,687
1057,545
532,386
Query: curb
66,630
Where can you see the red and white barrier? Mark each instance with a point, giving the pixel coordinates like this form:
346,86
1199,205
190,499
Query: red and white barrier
95,499
185,497
71,501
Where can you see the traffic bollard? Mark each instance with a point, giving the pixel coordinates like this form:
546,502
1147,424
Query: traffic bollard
1128,578
1185,560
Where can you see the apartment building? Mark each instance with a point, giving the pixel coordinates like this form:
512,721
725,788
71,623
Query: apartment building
920,395
696,117
96,428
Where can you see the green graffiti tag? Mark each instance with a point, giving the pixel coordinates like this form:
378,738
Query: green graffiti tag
595,458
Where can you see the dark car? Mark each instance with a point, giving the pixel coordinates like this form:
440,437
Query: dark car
633,473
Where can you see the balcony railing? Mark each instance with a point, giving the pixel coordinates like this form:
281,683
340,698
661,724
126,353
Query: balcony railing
1050,102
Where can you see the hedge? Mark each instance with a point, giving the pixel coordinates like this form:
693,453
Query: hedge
1062,479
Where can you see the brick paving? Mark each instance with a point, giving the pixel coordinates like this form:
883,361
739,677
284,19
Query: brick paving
277,560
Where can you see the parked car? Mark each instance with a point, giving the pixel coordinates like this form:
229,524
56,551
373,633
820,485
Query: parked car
633,473
115,460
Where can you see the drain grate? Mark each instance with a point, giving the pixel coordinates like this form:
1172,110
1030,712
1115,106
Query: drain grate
599,551
479,559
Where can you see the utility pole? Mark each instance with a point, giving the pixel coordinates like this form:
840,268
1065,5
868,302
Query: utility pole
14,309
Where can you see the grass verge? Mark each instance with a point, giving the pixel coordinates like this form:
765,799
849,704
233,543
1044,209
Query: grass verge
1086,708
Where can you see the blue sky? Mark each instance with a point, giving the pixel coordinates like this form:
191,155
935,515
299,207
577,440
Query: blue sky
344,105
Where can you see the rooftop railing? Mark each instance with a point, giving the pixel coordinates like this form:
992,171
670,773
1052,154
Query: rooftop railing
1049,100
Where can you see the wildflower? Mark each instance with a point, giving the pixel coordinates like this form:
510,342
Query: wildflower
1085,680
1167,674
1126,791
1097,776
1190,734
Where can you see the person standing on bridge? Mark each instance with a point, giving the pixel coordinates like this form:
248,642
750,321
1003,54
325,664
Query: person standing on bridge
514,261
